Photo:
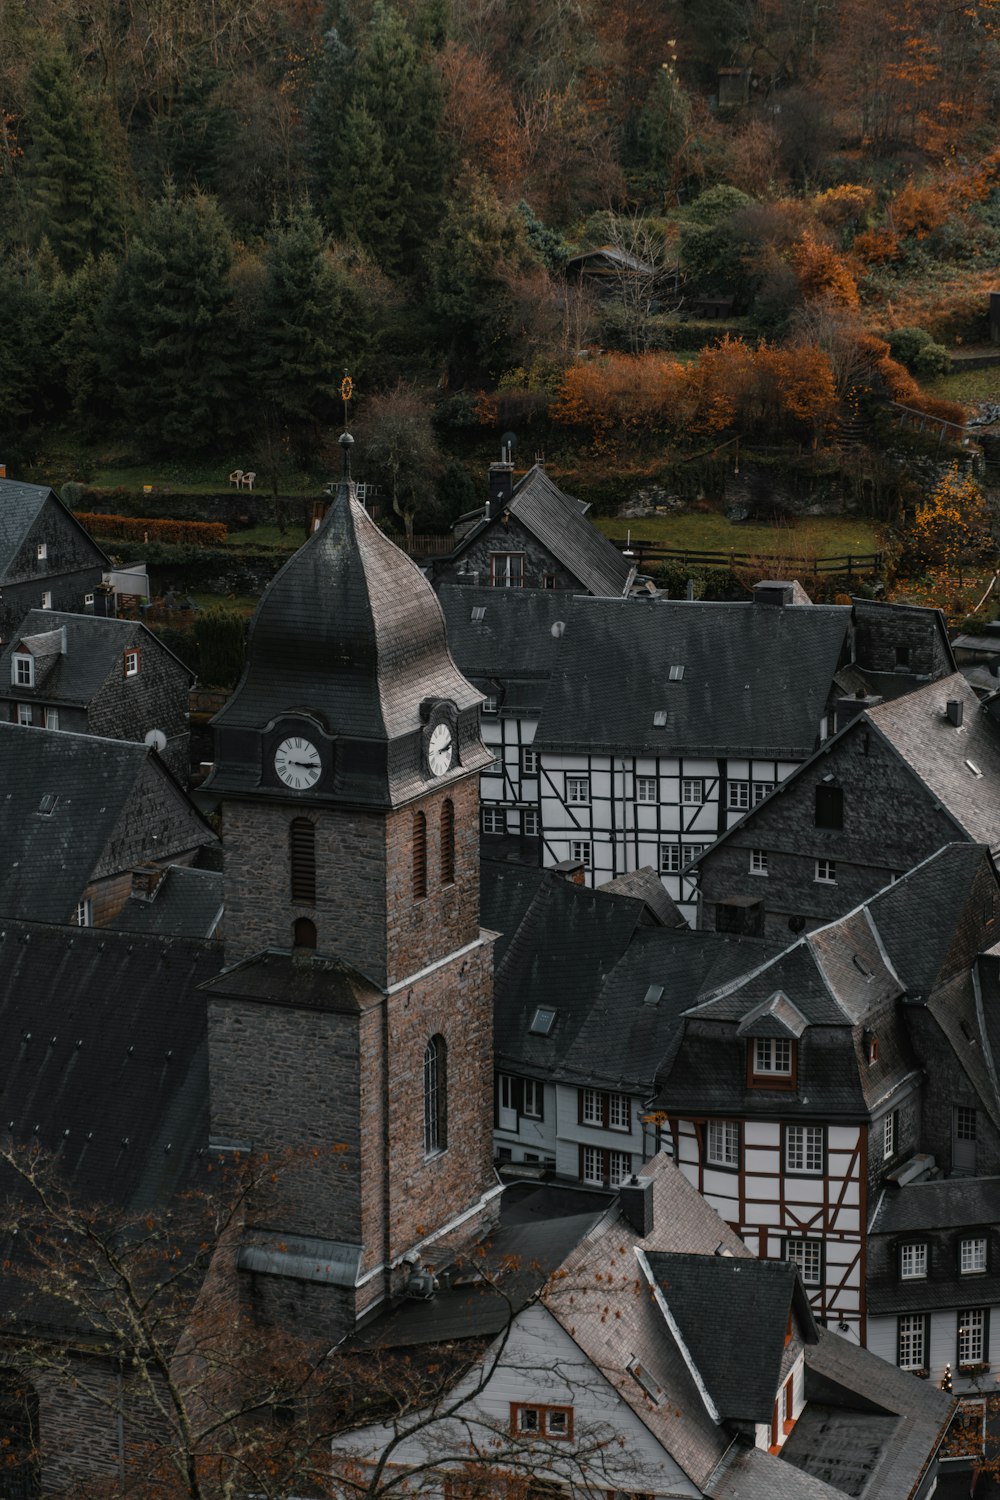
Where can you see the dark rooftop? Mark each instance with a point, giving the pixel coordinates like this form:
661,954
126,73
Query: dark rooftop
185,903
91,649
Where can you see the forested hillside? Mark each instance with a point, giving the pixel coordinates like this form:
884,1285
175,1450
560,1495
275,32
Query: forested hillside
210,208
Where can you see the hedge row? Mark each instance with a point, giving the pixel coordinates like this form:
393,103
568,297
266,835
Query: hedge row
147,528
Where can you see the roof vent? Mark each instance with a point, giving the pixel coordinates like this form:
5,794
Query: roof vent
421,1286
653,995
955,712
974,768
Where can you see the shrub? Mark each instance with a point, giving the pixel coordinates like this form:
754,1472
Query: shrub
906,344
221,638
147,528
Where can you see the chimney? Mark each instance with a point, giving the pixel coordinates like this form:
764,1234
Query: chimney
849,708
775,592
955,712
571,870
501,483
636,1200
146,881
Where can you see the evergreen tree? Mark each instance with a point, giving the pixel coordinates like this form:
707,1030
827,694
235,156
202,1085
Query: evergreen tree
311,324
87,353
180,374
365,205
69,186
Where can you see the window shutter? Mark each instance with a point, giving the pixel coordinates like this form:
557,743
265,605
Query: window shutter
927,1342
986,1336
579,1119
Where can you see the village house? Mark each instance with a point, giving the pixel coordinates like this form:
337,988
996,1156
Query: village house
47,559
100,676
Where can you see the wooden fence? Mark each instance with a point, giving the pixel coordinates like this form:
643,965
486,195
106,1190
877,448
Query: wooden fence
849,563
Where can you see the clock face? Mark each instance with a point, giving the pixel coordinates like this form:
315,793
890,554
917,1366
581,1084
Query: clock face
297,762
441,749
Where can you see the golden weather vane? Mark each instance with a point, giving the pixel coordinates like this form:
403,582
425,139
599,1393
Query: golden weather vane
346,393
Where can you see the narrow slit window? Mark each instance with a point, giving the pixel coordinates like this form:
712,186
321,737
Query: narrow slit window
447,842
419,855
302,860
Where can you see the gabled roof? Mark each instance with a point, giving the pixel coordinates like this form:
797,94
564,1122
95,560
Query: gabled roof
556,520
62,798
303,980
74,668
505,640
186,903
646,886
947,1203
920,732
20,506
713,1299
665,676
918,949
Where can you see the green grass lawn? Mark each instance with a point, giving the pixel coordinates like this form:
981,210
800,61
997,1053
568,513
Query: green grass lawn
967,385
810,536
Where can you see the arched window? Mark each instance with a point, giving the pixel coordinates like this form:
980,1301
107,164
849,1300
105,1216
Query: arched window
302,861
419,855
304,933
447,842
435,1096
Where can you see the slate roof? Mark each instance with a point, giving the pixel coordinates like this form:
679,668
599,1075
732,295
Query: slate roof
917,948
351,633
186,903
947,1203
557,522
50,856
302,980
756,678
751,1474
20,506
715,1298
646,886
919,731
92,648
506,635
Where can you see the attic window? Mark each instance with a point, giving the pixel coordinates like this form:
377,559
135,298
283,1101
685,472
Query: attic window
542,1021
974,768
639,1372
22,670
653,995
41,551
47,806
676,673
660,718
479,613
131,663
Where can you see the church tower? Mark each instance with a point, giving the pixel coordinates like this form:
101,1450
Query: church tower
350,1035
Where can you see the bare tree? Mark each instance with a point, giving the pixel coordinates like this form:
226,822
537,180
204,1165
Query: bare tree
639,274
399,446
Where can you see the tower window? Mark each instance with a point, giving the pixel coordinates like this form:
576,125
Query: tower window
435,1096
303,933
447,842
419,855
302,860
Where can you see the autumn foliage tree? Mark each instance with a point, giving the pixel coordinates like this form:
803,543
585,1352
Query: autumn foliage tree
952,526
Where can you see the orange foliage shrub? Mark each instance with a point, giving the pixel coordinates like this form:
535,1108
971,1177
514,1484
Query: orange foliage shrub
623,393
953,522
805,390
840,205
919,210
876,246
822,272
148,529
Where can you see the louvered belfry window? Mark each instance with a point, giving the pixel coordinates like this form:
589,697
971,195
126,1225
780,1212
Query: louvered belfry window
302,861
419,855
447,842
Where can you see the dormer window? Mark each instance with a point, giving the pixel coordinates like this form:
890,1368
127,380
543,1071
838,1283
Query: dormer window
22,670
771,1062
972,1256
131,663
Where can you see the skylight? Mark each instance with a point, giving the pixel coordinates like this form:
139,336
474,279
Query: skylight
542,1021
653,995
660,718
676,672
47,806
479,613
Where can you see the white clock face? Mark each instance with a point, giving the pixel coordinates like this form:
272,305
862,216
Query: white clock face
440,749
298,764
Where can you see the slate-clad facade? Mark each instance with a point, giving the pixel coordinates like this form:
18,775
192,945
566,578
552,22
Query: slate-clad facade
47,559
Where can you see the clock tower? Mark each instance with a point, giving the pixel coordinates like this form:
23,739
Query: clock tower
350,1033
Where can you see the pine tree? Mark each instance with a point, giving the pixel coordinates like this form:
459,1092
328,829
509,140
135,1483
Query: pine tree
68,182
180,376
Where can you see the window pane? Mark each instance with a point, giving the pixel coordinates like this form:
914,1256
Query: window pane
913,1262
971,1327
972,1255
808,1256
911,1341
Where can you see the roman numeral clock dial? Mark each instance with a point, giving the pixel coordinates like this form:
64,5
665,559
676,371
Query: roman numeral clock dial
297,763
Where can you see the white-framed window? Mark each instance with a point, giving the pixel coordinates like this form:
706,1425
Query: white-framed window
47,599
762,789
758,861
808,1256
619,1167
580,849
972,1255
533,1098
772,1054
690,852
972,1336
85,913
88,601
494,820
619,1112
593,1165
805,1149
826,872
131,664
52,718
722,1143
965,1122
41,551
912,1262
540,1421
889,1135
577,788
593,1107
507,570
670,859
738,795
692,792
490,704
529,761
24,714
647,789
529,824
22,670
911,1341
